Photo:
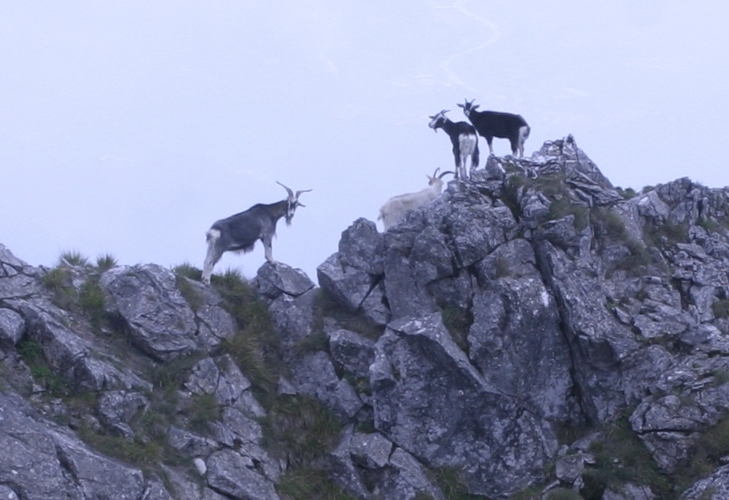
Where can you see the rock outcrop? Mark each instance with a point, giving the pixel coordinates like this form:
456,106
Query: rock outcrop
533,330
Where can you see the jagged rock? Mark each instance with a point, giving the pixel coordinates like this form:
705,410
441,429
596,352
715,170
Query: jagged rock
228,473
629,491
159,320
352,351
370,450
117,408
341,469
361,247
349,286
714,487
188,444
293,318
12,327
424,389
314,374
273,280
405,478
374,307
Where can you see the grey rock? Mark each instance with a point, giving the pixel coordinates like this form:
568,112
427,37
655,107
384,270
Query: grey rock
352,351
273,280
371,451
117,408
714,487
188,444
314,374
12,327
629,491
349,286
293,318
229,475
159,320
361,247
406,478
424,389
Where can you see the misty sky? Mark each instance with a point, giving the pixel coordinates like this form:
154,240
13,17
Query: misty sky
130,127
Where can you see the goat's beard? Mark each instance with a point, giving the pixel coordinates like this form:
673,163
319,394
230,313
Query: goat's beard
288,219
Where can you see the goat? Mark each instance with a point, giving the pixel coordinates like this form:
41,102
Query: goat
464,139
490,124
394,209
239,232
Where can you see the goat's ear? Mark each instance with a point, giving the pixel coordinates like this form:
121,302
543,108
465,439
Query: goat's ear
475,107
460,105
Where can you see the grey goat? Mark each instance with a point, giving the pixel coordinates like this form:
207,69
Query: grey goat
239,232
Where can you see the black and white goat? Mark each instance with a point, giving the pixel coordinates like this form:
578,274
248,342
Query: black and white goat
464,139
239,232
394,209
490,124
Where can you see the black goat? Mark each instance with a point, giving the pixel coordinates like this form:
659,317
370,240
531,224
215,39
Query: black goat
463,137
492,124
239,232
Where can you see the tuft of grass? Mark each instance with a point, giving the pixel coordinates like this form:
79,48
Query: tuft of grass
621,457
32,354
458,322
193,298
720,308
58,281
563,494
635,263
73,258
626,193
666,234
201,410
307,483
327,306
105,262
299,429
608,224
136,451
312,343
92,301
562,207
450,480
187,270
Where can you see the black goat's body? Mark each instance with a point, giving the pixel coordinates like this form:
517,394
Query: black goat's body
463,138
239,232
490,124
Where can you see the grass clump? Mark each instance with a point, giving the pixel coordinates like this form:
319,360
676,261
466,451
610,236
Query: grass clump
451,482
327,306
187,270
58,281
299,429
105,262
458,322
621,457
667,233
306,483
73,258
201,410
32,355
720,308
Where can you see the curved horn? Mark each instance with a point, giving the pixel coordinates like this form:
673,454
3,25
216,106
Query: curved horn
288,190
435,173
446,172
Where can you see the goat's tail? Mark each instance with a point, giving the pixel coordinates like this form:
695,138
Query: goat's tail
525,134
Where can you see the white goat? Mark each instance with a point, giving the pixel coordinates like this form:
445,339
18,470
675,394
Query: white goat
394,209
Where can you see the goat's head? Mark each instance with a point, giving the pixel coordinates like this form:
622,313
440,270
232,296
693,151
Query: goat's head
437,120
292,202
468,107
437,180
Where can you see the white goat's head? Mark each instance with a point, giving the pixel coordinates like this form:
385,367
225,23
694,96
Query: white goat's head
293,202
437,120
436,181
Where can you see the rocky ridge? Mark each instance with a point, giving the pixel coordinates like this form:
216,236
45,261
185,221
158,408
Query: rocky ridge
533,332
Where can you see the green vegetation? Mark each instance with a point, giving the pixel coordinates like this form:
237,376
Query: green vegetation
327,306
721,308
667,233
621,457
306,484
73,258
298,429
105,262
32,354
626,193
451,483
458,322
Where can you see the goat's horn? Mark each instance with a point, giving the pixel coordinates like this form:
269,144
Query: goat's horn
443,173
299,192
288,190
444,111
436,172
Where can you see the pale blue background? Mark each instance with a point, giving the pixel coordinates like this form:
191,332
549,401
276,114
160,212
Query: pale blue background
129,127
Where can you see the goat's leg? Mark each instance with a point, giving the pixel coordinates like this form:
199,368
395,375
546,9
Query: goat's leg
268,248
474,158
213,254
489,140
